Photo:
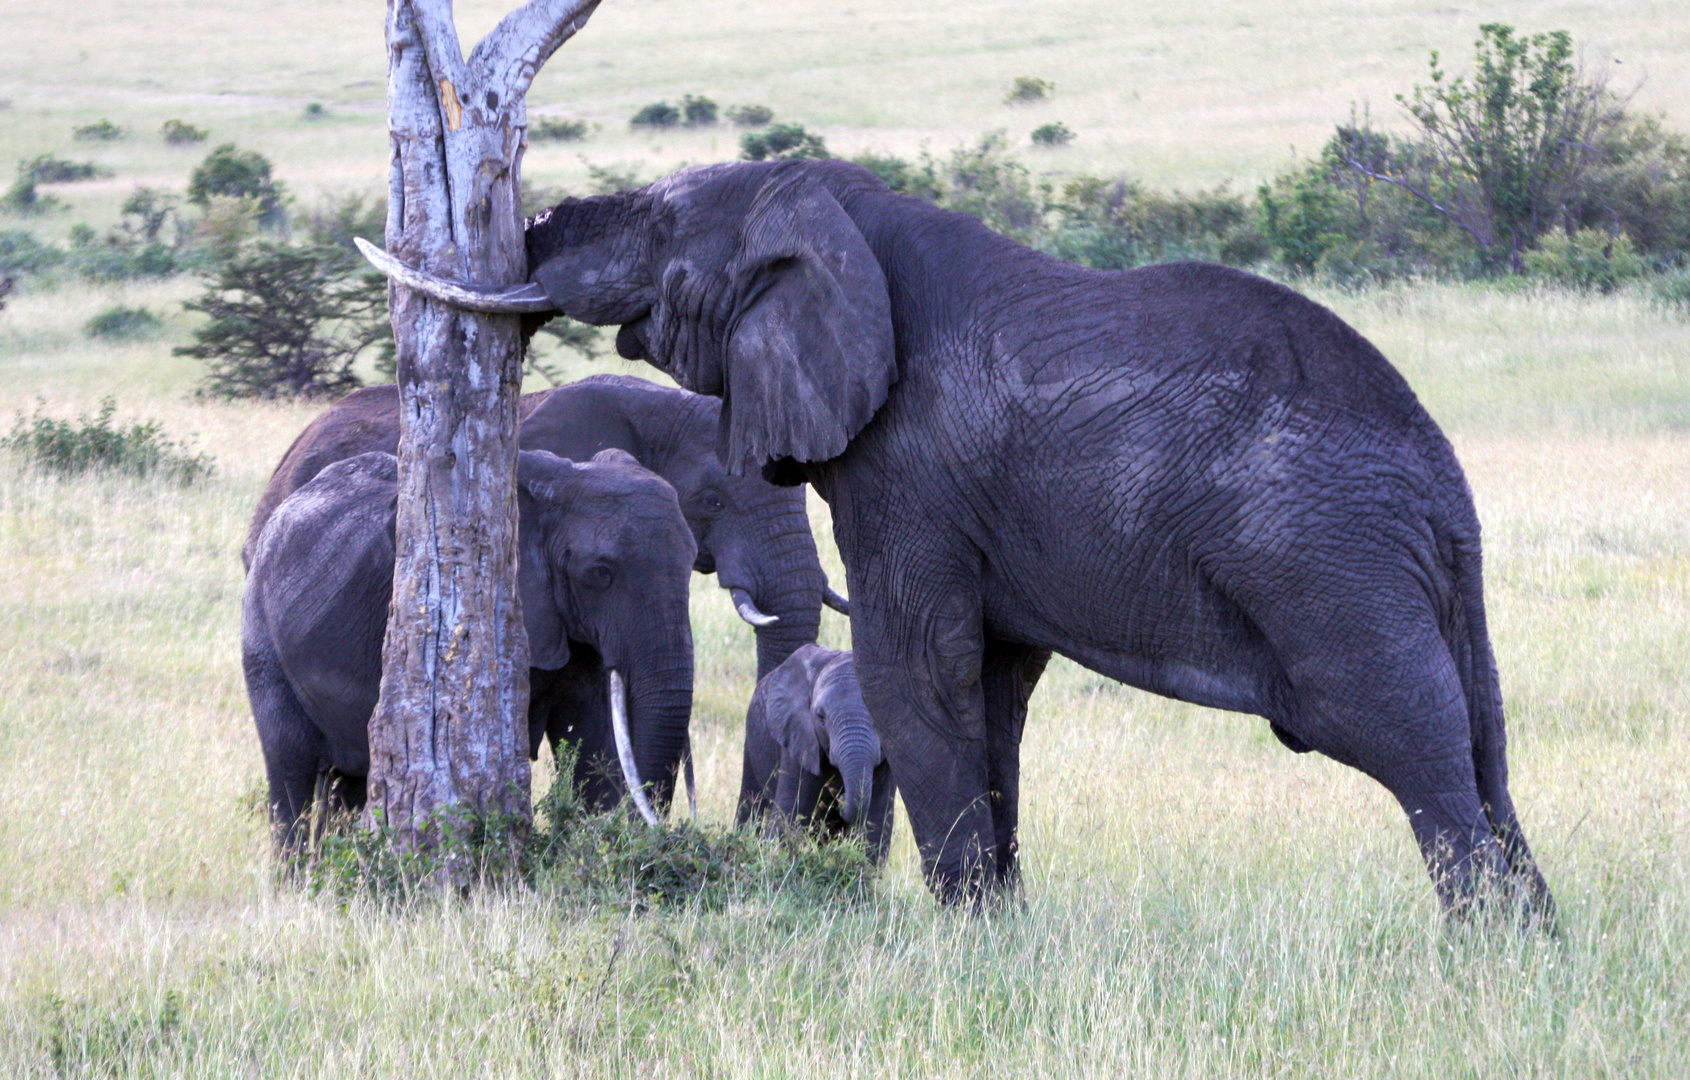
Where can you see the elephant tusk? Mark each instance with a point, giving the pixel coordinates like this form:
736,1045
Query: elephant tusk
748,610
692,788
525,299
625,747
835,601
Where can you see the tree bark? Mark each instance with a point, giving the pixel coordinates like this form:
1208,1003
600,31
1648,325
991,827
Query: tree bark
449,738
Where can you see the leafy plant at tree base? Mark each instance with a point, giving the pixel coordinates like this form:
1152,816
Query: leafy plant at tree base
1052,135
237,174
122,323
1588,259
698,111
659,114
1026,89
96,444
284,322
182,133
782,142
552,129
750,116
99,131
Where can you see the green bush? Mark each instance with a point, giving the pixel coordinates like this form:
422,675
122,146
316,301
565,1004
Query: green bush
99,131
1672,290
315,111
1118,224
181,133
984,180
698,111
23,200
659,114
553,129
21,253
237,174
1026,89
1052,135
122,323
750,116
1588,259
1641,189
93,443
149,240
48,169
906,178
781,142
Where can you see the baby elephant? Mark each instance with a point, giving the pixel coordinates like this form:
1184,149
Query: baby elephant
811,752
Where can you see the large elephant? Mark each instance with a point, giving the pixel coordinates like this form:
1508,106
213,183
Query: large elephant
812,755
606,562
1183,477
755,537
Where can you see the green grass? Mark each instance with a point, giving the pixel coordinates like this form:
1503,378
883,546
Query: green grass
1199,902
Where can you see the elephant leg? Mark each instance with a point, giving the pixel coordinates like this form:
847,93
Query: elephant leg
1008,674
294,749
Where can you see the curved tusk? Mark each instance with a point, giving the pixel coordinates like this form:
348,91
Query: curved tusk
748,611
835,601
525,299
692,788
625,747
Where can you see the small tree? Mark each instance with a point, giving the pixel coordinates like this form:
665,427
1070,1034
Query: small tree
237,174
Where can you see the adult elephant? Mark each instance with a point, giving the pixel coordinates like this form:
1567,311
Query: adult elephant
605,565
755,537
1184,477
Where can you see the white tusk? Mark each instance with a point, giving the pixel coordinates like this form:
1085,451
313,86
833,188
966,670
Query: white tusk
625,747
748,611
692,789
835,601
525,299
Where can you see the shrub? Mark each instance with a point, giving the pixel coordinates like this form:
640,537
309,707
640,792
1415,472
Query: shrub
750,116
613,179
149,240
99,131
552,129
48,169
237,174
181,133
336,219
1026,89
1117,224
23,200
905,177
781,142
94,443
1672,290
315,111
698,111
1641,189
283,321
985,181
122,323
659,114
1056,134
1587,259
21,253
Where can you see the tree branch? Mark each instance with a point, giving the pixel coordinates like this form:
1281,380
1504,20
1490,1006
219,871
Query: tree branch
507,59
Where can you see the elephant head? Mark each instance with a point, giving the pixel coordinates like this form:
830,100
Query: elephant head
747,281
814,710
606,562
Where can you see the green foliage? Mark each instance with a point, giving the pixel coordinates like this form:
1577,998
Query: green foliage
237,174
984,180
284,321
83,1038
48,169
556,129
23,200
1641,188
920,179
659,114
182,133
1672,290
1052,135
1587,259
121,323
698,111
1117,224
782,142
94,443
1027,89
149,240
750,116
315,111
21,253
101,130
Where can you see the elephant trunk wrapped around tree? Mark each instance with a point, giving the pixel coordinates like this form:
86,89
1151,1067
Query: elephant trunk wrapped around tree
1183,477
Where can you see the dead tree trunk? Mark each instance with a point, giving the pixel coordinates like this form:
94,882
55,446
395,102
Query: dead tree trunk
449,738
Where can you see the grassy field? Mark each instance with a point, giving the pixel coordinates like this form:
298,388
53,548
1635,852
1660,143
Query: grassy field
1199,902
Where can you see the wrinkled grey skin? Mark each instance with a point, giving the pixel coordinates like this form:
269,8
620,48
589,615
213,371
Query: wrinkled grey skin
811,752
1183,477
605,569
751,534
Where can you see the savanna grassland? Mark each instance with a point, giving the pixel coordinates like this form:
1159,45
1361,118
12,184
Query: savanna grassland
1198,900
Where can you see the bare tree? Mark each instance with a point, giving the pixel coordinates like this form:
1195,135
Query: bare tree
449,741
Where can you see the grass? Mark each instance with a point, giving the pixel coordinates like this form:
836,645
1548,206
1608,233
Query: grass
1199,902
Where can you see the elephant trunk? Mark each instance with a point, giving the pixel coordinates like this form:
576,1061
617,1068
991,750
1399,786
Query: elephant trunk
659,695
789,584
855,751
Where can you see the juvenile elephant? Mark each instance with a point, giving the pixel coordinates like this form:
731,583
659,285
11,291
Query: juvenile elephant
755,537
605,565
1183,477
811,752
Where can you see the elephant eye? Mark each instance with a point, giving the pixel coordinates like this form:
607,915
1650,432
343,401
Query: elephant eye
712,501
597,576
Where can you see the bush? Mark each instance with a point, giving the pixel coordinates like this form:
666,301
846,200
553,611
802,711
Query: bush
1117,224
904,177
750,116
1587,259
237,174
337,219
315,111
551,129
23,200
149,240
782,142
1026,89
284,321
698,111
985,181
659,114
122,323
21,253
181,133
1641,189
48,169
1053,135
99,131
93,443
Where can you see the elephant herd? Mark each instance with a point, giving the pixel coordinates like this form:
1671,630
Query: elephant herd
1183,477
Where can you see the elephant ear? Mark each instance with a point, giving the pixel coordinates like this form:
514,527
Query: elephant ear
787,694
810,352
548,644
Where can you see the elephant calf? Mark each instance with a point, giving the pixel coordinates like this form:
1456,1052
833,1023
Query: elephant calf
811,752
604,573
